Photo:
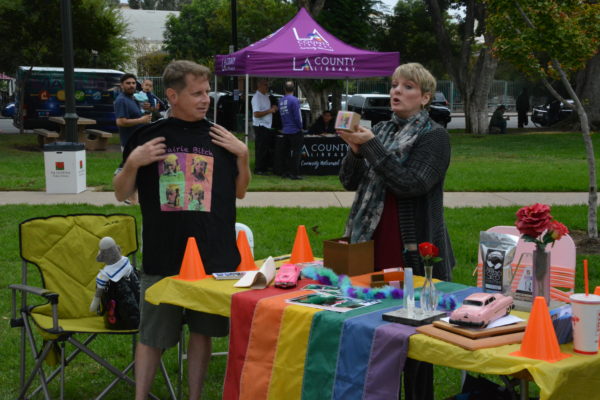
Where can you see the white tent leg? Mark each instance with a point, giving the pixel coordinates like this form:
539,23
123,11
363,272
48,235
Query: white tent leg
345,106
215,102
246,110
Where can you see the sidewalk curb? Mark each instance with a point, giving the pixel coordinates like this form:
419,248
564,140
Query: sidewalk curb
315,199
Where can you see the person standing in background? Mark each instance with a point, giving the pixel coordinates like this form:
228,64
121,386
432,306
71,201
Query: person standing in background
128,115
523,108
291,119
262,120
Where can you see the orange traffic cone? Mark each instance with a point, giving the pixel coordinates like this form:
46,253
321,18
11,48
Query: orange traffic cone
540,340
192,268
301,251
597,291
247,263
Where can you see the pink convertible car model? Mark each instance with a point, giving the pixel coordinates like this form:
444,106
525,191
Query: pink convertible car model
287,276
479,309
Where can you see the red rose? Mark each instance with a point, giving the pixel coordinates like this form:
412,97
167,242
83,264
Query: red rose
557,230
427,249
533,220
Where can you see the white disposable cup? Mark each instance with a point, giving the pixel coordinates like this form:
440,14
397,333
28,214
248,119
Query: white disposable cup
586,322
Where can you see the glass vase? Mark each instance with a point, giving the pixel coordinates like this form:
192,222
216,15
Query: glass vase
409,293
428,292
541,273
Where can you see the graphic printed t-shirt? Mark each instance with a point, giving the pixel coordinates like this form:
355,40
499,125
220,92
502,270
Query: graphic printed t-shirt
189,194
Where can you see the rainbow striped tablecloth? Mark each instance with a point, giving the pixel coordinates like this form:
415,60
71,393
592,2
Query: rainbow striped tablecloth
282,351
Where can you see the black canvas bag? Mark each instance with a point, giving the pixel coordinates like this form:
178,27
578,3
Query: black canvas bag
120,303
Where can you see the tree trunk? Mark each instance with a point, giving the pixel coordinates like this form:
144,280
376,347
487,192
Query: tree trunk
473,81
314,7
316,96
588,90
478,87
589,147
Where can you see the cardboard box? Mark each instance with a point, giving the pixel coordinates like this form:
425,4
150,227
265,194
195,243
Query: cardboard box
65,167
347,121
348,258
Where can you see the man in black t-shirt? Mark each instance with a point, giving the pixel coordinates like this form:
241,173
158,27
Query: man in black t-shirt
188,173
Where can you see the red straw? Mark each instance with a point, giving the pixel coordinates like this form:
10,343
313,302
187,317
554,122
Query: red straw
585,277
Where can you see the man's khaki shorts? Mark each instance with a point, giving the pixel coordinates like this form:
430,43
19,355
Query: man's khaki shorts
160,326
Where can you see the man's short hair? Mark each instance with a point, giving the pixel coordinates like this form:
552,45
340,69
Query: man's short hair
176,71
289,87
418,74
126,76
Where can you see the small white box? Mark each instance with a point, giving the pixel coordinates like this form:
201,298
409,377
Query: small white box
65,167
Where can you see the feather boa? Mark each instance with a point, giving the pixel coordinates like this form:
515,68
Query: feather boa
326,276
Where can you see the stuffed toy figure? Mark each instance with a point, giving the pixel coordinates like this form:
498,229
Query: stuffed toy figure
117,267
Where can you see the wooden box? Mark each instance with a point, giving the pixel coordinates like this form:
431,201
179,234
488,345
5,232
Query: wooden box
347,121
348,258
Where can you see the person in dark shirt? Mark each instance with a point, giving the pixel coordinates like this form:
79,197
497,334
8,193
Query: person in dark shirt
498,120
324,124
128,114
522,108
189,173
291,120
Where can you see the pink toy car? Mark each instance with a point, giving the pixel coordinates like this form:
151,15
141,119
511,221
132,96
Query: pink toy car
479,309
287,276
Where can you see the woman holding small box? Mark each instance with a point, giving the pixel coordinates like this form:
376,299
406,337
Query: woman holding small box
398,170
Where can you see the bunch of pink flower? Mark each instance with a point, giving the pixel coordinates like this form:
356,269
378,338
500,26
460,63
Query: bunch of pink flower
537,225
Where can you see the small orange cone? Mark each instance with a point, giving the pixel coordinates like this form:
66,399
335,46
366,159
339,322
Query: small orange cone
301,251
247,263
540,340
192,268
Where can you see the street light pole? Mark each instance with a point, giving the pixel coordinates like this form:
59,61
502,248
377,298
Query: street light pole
67,41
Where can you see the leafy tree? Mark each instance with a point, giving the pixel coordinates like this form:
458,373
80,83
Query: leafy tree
588,89
152,64
408,31
174,5
550,40
203,28
352,21
31,33
472,75
188,36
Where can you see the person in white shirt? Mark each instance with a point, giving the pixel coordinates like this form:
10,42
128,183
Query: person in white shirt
262,120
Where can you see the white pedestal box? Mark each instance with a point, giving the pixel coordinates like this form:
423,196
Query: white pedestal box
65,167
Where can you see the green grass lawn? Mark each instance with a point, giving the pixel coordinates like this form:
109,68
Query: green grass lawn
527,162
274,230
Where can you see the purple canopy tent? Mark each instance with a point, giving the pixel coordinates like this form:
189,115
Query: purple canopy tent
303,49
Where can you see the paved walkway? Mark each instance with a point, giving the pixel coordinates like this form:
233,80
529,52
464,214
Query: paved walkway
313,199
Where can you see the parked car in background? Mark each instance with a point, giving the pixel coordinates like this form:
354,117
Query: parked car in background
479,309
550,113
9,110
376,107
371,106
439,110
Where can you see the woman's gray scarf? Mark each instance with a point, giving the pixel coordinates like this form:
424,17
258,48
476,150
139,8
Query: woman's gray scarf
369,199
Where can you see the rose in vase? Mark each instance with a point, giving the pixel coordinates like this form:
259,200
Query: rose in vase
429,253
537,225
